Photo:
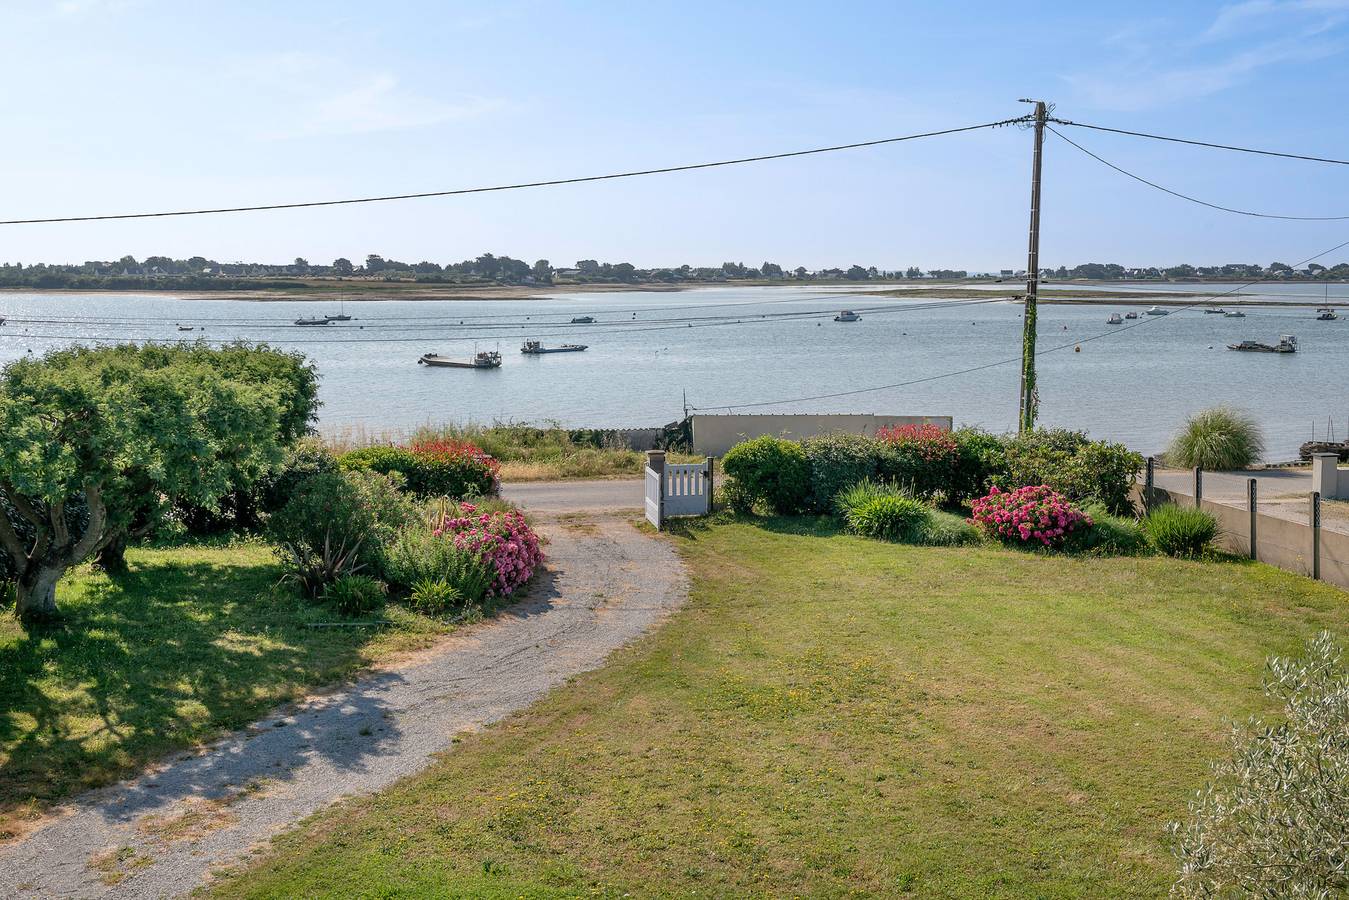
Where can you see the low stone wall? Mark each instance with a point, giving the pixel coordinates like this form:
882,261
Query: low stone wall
714,435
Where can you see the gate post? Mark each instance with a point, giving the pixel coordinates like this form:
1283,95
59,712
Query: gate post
1316,534
1198,486
655,461
1250,504
1149,484
711,483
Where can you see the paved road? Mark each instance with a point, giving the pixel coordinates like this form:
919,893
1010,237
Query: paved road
609,495
161,834
1282,493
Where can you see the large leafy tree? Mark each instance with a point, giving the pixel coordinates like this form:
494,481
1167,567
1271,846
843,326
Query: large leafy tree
100,442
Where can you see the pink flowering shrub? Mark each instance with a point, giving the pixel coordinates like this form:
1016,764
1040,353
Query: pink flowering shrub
1036,514
503,540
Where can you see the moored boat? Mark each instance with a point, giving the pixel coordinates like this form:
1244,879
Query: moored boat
1287,344
1115,319
1131,315
1157,311
1215,311
1326,314
583,320
185,327
1234,314
483,359
847,315
534,348
324,321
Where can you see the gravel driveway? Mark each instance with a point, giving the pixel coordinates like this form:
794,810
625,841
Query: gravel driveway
160,834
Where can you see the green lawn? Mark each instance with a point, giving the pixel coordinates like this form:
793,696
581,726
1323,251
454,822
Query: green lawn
832,716
193,642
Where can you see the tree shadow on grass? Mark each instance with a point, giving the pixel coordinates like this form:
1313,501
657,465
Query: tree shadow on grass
162,657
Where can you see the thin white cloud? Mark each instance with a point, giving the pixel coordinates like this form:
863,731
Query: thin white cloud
1148,75
313,95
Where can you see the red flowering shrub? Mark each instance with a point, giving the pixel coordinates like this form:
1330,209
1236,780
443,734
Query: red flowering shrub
457,468
1029,515
922,458
502,539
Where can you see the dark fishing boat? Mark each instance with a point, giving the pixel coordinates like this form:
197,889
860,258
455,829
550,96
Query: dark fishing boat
484,359
1287,344
583,320
534,348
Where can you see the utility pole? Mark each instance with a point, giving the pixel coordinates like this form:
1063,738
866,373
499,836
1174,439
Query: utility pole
1026,410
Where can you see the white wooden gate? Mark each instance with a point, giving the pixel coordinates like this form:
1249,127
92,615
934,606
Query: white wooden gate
685,490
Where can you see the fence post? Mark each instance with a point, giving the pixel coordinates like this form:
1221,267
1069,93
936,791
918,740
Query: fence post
711,484
1149,484
1198,486
1250,504
655,461
1316,534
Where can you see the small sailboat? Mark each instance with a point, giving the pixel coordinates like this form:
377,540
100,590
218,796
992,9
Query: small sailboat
847,315
1115,319
341,313
1157,311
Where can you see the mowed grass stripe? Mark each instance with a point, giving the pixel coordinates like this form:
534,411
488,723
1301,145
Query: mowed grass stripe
832,716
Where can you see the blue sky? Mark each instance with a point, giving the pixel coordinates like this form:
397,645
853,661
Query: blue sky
118,105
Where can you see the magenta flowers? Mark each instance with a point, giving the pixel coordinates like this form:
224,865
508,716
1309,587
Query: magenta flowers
1036,514
503,539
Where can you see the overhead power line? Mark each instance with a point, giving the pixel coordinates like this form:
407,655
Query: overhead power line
1205,299
511,187
1176,140
1173,193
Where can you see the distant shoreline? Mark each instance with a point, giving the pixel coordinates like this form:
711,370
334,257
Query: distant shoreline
1057,292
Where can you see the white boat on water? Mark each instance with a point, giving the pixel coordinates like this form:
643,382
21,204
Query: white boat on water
847,315
1115,319
1131,315
1157,311
1215,311
1326,314
1234,314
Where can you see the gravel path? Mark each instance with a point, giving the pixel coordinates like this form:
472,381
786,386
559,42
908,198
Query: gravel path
160,835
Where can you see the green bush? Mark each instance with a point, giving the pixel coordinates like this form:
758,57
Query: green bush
336,524
1108,535
1077,467
980,458
1272,820
355,595
304,459
1180,530
434,595
770,471
1220,438
922,458
415,555
837,462
441,468
885,512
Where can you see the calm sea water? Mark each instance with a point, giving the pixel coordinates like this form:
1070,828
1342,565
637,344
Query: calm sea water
1134,385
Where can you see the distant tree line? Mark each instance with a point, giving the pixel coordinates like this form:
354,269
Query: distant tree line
200,273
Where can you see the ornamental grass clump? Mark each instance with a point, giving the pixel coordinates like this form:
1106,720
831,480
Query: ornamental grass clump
1181,530
1218,439
1031,515
884,512
502,539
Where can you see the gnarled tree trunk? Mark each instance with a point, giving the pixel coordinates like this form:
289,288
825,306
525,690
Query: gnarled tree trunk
112,558
36,591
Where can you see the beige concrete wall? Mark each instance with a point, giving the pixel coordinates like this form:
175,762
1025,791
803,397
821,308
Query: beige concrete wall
1278,542
714,435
